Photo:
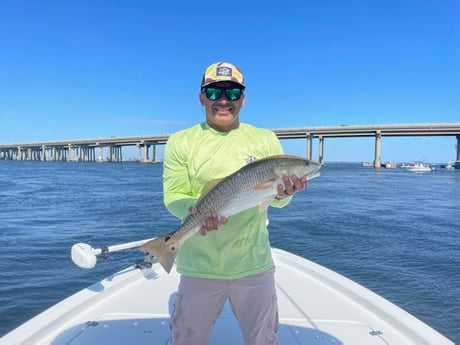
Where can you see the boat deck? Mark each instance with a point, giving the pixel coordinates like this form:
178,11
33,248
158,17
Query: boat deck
316,306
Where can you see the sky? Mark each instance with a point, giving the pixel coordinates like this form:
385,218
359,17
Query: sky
89,69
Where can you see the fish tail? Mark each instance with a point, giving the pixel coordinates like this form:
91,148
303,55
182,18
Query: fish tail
164,249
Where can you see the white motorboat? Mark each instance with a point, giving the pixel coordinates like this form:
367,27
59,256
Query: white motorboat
449,165
389,165
367,164
316,306
405,165
418,166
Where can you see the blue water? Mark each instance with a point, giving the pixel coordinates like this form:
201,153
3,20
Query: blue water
395,232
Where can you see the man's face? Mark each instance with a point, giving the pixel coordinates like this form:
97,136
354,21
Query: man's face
222,113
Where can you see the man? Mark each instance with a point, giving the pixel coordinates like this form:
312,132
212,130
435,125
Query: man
235,262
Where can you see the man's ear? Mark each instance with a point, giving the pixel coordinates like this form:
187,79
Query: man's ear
201,97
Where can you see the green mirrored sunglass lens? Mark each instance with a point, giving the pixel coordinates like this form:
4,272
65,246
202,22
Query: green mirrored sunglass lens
233,94
213,94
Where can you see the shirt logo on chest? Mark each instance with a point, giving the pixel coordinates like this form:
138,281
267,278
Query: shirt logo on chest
250,159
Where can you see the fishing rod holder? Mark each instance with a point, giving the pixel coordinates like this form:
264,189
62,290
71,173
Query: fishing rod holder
104,253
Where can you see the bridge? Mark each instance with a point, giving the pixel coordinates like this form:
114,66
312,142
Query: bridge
110,149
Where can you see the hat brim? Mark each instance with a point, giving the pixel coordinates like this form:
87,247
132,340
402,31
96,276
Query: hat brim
222,81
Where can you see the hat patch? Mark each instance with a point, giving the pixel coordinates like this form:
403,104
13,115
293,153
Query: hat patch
223,71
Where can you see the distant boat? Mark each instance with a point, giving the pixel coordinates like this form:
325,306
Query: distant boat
389,165
448,165
417,166
367,164
405,165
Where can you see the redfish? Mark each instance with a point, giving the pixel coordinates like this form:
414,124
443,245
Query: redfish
255,184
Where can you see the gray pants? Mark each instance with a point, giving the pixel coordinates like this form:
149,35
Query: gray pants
200,301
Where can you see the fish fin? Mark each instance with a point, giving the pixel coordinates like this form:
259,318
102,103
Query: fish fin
315,175
164,249
286,156
279,156
264,205
265,185
208,188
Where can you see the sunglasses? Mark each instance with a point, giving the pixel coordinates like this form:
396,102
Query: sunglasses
215,93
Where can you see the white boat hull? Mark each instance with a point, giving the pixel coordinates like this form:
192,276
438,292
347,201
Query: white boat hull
418,166
316,306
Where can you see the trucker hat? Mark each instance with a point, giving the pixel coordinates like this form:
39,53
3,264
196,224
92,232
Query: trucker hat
222,71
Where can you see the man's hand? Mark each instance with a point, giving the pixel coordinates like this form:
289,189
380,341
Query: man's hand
291,185
212,221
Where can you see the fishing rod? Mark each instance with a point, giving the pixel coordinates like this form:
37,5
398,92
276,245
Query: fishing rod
85,256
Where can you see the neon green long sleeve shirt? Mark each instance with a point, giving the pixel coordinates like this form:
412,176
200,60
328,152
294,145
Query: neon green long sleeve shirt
195,157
